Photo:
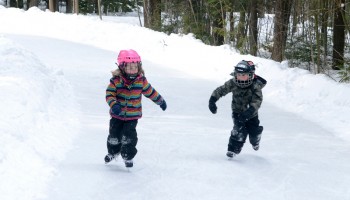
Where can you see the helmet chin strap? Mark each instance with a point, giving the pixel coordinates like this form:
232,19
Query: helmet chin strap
130,76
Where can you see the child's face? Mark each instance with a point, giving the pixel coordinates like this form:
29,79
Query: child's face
242,76
131,68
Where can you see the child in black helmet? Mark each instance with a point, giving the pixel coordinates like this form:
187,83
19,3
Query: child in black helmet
246,88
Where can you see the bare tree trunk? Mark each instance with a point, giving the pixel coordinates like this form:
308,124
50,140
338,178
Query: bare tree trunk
296,13
19,3
232,28
277,50
69,6
318,39
240,29
287,8
218,23
99,8
155,13
338,35
324,19
253,30
146,16
12,3
193,13
32,3
283,8
76,6
152,14
52,5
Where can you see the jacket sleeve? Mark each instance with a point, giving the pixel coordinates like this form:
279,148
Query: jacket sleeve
223,90
111,93
257,97
149,92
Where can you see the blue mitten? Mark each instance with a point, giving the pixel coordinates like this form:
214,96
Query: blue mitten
163,105
116,109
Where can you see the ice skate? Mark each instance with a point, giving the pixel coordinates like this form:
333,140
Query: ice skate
128,163
109,157
230,154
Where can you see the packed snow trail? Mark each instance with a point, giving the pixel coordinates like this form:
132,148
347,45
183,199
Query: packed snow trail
182,150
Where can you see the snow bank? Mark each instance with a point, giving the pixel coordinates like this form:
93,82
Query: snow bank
38,121
314,97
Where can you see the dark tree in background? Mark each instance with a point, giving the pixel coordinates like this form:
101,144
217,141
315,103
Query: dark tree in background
32,3
53,5
282,14
152,11
338,34
253,28
312,34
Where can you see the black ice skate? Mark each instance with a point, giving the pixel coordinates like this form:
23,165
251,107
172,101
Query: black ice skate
128,163
109,157
230,154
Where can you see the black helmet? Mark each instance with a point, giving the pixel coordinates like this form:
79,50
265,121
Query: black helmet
244,67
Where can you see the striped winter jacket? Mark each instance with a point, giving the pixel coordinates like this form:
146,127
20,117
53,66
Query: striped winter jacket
129,96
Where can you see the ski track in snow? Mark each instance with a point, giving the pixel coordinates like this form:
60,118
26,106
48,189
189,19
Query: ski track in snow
182,150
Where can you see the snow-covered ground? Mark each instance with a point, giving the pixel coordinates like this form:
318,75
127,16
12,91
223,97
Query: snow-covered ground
54,69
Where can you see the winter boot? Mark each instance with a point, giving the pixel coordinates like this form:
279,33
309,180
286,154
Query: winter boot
128,163
256,147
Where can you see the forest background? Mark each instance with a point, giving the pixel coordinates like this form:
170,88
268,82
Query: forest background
310,34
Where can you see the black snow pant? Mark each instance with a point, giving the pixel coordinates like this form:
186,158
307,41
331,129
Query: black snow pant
122,138
240,132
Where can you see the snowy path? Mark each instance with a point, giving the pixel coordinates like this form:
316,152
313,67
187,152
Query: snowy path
182,151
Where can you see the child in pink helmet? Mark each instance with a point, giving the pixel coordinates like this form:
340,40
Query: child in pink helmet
123,95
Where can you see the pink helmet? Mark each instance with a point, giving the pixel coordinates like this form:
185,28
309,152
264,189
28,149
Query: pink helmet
128,56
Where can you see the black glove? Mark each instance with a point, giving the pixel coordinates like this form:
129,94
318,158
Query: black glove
212,105
163,105
116,109
246,115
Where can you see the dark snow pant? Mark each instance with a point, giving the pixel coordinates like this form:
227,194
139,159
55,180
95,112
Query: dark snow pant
122,138
241,131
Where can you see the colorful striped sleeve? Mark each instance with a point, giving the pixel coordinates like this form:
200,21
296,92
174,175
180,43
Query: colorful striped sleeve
111,93
149,92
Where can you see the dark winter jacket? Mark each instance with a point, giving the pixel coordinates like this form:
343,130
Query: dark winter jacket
128,94
242,98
